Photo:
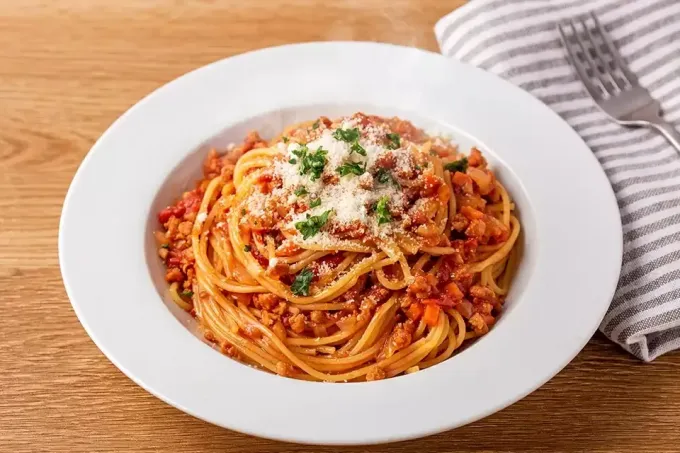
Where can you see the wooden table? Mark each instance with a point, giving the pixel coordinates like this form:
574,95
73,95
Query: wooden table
67,70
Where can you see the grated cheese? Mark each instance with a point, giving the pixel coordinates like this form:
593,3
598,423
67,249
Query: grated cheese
256,204
347,199
324,268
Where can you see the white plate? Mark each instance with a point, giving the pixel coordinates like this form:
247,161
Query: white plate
572,239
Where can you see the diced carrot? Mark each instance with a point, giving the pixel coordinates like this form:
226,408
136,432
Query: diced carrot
415,311
430,185
482,178
174,275
431,315
471,213
460,179
444,193
453,290
476,159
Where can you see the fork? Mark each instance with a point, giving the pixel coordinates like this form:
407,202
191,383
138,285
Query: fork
613,87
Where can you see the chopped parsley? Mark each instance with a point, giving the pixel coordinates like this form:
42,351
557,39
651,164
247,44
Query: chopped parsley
301,152
300,286
284,139
382,211
243,211
187,293
351,136
311,162
394,141
353,168
312,225
292,161
346,135
460,165
315,126
165,246
314,203
301,191
246,248
384,176
357,148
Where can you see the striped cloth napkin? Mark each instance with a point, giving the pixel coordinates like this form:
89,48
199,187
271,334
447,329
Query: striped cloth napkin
517,40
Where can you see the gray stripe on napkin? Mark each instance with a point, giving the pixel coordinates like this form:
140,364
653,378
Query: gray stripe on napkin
517,40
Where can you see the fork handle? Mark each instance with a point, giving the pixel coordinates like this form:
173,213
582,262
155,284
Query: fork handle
671,134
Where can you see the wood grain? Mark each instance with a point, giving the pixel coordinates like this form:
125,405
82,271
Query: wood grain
67,70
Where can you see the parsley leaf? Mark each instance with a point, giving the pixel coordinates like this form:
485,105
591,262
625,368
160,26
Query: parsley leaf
354,168
301,191
395,141
300,286
243,211
165,246
460,165
312,224
357,148
246,248
187,293
384,176
314,203
315,125
284,139
301,152
346,135
382,211
292,161
311,162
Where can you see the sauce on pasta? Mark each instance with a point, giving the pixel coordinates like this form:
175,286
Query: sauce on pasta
342,250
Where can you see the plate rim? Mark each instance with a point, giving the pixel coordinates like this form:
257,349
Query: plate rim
161,91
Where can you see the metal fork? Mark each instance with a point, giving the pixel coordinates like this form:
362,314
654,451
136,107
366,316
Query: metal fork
610,83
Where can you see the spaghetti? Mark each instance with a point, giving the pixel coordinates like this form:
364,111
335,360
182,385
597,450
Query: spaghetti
346,250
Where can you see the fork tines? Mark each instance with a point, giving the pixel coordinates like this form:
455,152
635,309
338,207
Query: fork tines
592,53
